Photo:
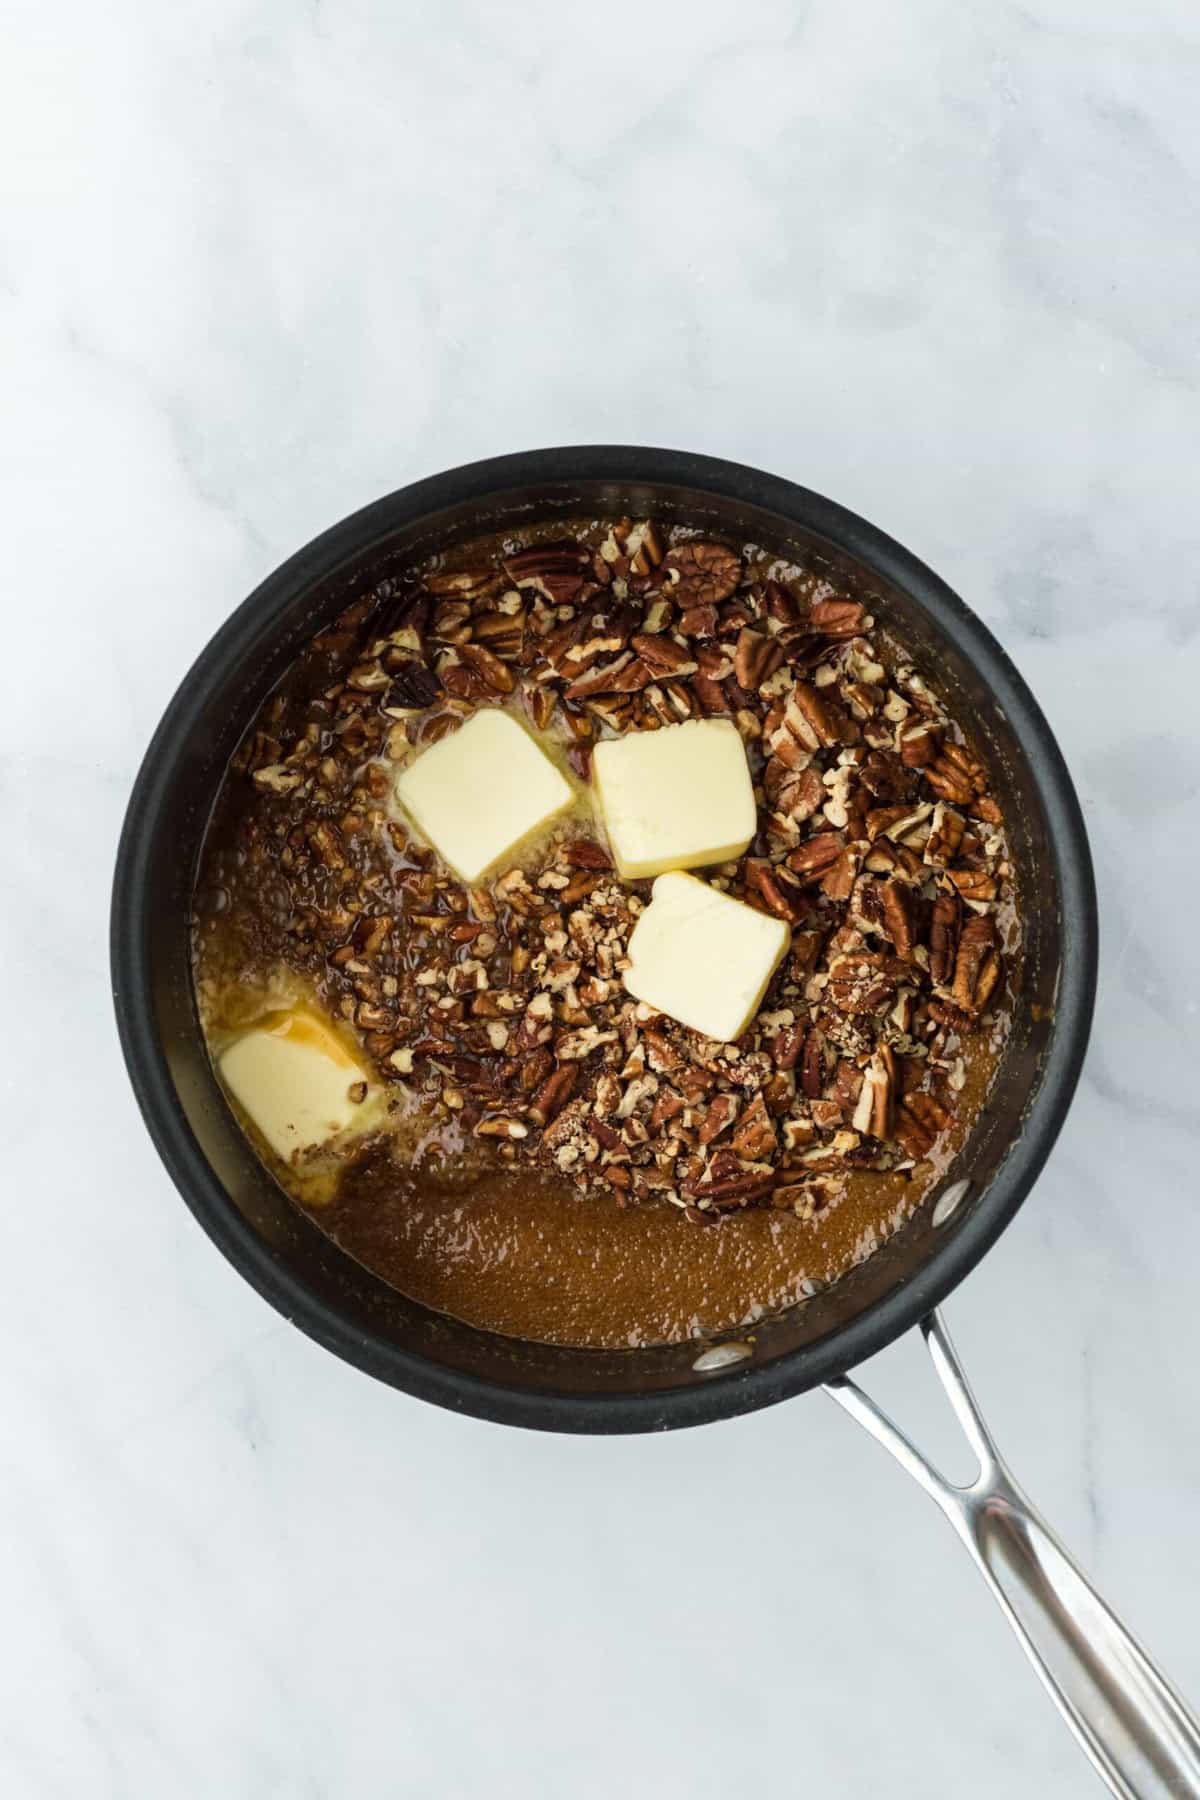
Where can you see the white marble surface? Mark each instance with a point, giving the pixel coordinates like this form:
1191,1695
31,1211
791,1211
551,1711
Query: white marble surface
261,262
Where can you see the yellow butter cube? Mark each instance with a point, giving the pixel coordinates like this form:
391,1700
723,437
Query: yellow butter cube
677,798
477,793
297,1081
703,958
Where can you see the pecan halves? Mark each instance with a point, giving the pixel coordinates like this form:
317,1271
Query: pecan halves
920,1120
816,721
794,793
553,1094
873,1111
663,655
946,830
956,776
496,676
755,658
919,745
837,618
754,1136
774,890
557,571
707,573
977,965
817,855
943,938
812,1066
896,913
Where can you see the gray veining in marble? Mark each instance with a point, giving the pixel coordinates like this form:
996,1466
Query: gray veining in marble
259,263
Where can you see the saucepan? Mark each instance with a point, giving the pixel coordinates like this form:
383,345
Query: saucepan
1137,1731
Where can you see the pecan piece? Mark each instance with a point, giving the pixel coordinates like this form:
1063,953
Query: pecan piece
873,1111
582,853
837,618
920,1119
462,584
719,1116
553,1094
812,1069
956,776
413,687
755,657
625,674
946,829
754,1137
698,621
557,571
665,658
496,676
976,886
919,745
711,695
817,720
707,573
896,909
502,633
977,966
816,856
837,883
776,890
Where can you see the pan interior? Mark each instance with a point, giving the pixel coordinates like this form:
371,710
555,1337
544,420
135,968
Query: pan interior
283,1252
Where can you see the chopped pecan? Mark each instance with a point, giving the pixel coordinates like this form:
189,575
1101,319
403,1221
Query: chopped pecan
943,938
780,605
859,983
624,674
663,656
946,828
754,1135
698,621
502,633
873,1111
711,695
837,883
919,744
718,1117
707,573
462,584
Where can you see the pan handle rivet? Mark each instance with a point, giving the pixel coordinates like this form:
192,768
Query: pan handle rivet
949,1201
721,1356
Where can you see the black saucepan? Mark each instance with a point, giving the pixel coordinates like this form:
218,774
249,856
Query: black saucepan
351,1311
1138,1733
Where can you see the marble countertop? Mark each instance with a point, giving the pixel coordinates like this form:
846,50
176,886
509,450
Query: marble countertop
260,263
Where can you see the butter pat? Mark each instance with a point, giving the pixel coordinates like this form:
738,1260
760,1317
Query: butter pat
676,798
297,1081
703,958
480,791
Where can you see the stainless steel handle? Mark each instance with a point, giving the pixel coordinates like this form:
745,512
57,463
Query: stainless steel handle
1141,1737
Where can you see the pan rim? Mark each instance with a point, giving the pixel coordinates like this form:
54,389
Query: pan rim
751,1386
